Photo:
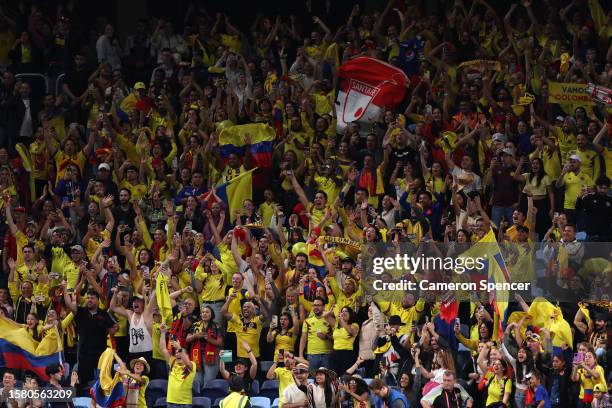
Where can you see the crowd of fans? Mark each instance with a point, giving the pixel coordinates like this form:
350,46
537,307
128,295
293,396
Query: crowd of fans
111,182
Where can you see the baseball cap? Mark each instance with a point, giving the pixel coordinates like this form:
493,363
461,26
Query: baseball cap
575,157
560,118
599,388
139,85
498,137
508,151
104,166
76,248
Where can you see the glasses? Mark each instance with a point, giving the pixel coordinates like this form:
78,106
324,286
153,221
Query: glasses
300,371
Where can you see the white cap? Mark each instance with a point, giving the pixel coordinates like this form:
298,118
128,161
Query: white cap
498,137
575,157
104,166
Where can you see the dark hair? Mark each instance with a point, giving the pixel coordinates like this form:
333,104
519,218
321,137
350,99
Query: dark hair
540,174
28,246
93,293
212,312
236,383
602,181
288,316
526,367
318,298
52,368
127,190
352,316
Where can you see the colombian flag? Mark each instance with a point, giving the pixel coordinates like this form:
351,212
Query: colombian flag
231,140
234,192
497,273
108,390
19,350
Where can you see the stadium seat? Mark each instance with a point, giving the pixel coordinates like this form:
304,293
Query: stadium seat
217,402
81,402
275,403
269,389
160,403
260,402
201,402
214,389
265,366
254,389
156,390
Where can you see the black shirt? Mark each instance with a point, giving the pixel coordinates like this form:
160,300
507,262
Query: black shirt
92,330
598,209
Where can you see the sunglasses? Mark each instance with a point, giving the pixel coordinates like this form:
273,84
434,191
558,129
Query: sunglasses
300,371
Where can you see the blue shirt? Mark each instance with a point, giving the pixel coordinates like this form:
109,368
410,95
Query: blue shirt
542,395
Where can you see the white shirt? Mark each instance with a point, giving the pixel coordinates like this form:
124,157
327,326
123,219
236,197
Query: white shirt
26,124
107,52
318,395
292,395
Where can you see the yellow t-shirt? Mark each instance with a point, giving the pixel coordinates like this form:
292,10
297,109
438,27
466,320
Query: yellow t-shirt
39,154
538,190
327,184
235,309
317,216
573,187
589,163
567,142
284,342
214,285
607,156
285,377
138,191
315,344
62,160
587,382
513,233
21,241
496,389
412,314
342,339
179,383
248,331
266,210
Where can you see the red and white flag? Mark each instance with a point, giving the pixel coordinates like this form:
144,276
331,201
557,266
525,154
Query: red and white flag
368,87
600,93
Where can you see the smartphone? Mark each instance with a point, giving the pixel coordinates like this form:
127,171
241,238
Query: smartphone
188,225
578,358
275,320
281,352
458,321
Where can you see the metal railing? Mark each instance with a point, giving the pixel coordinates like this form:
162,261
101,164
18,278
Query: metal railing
35,77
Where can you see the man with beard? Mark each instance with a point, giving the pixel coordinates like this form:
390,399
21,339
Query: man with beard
248,325
596,332
92,324
317,333
124,213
